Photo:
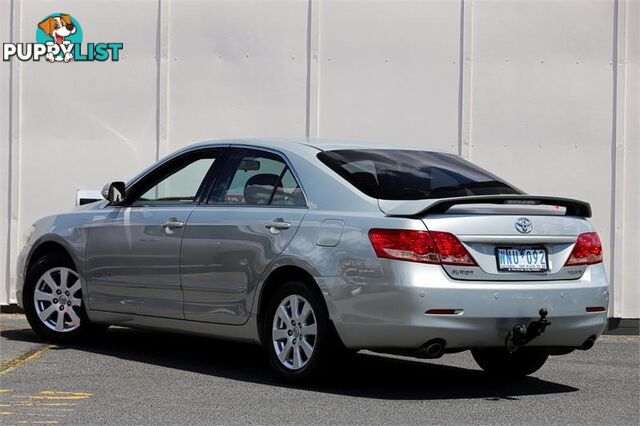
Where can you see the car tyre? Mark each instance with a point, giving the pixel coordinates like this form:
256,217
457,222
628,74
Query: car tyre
499,362
297,332
54,303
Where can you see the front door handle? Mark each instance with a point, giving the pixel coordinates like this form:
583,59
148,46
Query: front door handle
172,223
278,224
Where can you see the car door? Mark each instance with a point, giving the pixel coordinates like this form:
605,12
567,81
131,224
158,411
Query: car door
133,251
252,214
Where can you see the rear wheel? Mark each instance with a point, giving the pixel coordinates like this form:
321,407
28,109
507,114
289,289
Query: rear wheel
53,301
501,363
297,332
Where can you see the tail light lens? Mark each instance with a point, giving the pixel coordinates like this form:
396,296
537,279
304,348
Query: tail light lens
420,246
587,251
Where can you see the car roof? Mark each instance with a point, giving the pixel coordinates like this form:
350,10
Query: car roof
303,144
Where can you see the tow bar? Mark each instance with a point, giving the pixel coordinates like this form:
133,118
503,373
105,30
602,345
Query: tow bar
522,334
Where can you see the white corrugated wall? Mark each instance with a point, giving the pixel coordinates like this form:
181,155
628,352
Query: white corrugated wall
543,93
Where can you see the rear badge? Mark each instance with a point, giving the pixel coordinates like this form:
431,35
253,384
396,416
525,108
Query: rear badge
524,225
461,272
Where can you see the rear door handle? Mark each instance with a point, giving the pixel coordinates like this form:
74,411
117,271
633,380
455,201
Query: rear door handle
278,224
172,223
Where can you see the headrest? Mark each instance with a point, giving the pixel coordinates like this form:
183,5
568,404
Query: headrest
259,188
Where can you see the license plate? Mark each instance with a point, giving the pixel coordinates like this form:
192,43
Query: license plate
516,259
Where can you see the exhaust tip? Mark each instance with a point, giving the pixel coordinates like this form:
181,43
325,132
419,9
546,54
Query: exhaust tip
588,344
433,348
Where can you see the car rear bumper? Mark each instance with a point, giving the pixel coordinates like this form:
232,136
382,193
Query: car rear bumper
389,312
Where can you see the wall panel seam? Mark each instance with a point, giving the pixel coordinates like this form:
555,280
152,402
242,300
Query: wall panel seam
465,78
6,289
312,95
162,79
13,240
618,141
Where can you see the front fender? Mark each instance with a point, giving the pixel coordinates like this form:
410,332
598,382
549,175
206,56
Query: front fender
60,230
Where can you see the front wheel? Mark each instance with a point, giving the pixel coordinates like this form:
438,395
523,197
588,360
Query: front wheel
53,301
297,332
510,365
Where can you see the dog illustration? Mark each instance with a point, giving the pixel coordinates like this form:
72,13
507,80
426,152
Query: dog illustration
58,27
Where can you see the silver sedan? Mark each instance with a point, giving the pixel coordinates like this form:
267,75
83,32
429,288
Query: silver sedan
319,249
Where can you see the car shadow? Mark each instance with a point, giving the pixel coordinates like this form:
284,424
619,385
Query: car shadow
366,375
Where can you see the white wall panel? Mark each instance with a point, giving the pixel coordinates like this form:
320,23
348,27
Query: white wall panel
389,70
629,286
542,98
84,123
236,68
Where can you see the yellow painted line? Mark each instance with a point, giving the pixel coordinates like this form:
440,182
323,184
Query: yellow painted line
65,393
39,404
56,404
23,358
5,390
48,395
41,407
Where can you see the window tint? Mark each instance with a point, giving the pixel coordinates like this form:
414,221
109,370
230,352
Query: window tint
261,180
412,175
178,186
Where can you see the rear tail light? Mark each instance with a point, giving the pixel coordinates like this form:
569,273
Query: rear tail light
451,250
587,251
420,246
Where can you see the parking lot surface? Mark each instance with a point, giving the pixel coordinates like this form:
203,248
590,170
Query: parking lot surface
143,377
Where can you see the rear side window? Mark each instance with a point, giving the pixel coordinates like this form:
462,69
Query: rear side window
259,178
254,180
392,174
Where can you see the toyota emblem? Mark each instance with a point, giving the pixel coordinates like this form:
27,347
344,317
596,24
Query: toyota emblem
524,225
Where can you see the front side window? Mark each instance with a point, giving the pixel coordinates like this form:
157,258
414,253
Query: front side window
178,182
258,178
393,174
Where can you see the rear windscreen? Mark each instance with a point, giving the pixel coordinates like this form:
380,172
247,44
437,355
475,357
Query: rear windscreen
393,174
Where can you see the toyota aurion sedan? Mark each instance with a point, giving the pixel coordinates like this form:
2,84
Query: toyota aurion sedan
318,249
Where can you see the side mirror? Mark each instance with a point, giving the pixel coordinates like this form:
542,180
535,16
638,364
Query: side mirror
114,192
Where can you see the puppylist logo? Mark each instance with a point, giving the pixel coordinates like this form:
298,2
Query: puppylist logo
59,39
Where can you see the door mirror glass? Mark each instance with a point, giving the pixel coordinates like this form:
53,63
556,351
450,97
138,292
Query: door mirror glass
114,192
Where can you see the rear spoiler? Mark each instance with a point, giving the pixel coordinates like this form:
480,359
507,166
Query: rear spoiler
441,205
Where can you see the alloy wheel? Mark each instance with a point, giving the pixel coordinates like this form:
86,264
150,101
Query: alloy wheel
58,300
294,332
